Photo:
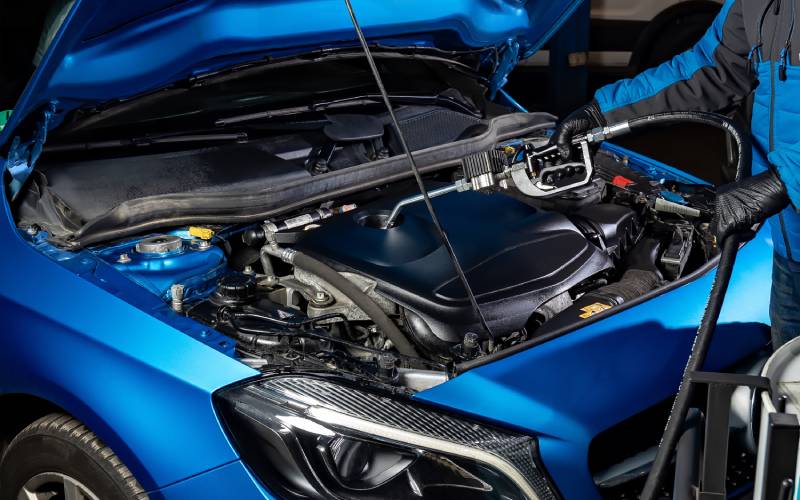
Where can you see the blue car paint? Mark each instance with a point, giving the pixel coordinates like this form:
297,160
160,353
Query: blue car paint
80,334
144,386
614,368
569,389
110,50
195,268
110,358
233,480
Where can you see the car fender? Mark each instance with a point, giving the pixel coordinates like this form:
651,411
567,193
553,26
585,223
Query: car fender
141,385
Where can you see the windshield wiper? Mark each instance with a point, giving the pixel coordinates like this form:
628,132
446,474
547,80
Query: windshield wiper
363,100
148,140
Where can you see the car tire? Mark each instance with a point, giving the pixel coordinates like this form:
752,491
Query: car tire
58,452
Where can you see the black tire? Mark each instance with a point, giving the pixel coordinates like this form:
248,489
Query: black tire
58,443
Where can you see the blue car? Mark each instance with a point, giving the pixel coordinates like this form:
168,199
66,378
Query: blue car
219,279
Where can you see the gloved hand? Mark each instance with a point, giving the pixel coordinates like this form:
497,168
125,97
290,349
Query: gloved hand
741,204
578,122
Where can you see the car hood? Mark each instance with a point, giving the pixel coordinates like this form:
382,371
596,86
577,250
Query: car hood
114,50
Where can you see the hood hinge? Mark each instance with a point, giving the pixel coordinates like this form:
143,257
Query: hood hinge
22,156
507,60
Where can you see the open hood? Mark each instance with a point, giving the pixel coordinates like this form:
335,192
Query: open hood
105,51
112,50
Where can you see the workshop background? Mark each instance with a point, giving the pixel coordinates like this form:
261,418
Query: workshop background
611,39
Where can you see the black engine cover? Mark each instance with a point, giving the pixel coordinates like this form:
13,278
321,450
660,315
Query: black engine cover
516,257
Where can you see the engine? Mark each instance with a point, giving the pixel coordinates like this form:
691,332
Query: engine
516,257
384,278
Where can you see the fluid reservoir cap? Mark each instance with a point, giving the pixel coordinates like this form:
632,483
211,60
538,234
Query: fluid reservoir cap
235,289
160,245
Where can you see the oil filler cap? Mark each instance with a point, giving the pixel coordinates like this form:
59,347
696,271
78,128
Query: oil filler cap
235,289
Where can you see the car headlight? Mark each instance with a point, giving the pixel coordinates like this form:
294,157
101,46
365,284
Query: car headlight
314,437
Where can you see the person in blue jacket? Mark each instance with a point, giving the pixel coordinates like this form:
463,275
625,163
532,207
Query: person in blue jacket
753,46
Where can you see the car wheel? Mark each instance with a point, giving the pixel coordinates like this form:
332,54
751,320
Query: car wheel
57,457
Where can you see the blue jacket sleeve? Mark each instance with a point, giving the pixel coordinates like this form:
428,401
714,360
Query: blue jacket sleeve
711,76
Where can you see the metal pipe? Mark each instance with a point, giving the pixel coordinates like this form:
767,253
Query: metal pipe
415,199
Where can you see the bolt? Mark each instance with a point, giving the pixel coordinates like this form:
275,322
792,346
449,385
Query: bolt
470,344
124,258
203,245
32,230
321,298
248,270
177,297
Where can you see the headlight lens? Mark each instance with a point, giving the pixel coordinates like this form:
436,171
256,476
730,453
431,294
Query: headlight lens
314,437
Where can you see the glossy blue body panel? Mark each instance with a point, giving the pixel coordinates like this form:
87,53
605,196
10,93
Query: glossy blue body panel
195,268
109,50
569,389
233,480
79,334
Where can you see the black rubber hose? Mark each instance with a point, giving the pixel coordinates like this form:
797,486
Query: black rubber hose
708,324
359,298
702,341
743,151
705,331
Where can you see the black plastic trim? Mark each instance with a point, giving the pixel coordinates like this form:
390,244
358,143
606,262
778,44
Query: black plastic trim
239,207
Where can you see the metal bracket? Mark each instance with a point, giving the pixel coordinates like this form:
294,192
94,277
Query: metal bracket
715,448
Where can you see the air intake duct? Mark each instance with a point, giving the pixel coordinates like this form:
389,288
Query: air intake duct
641,276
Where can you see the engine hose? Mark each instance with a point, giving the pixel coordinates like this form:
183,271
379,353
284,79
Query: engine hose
702,341
730,245
743,148
359,298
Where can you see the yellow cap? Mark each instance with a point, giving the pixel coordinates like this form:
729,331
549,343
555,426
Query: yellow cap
203,233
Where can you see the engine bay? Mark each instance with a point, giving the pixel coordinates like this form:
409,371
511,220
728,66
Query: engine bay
537,267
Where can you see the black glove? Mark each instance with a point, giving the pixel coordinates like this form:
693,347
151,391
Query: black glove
578,122
741,204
